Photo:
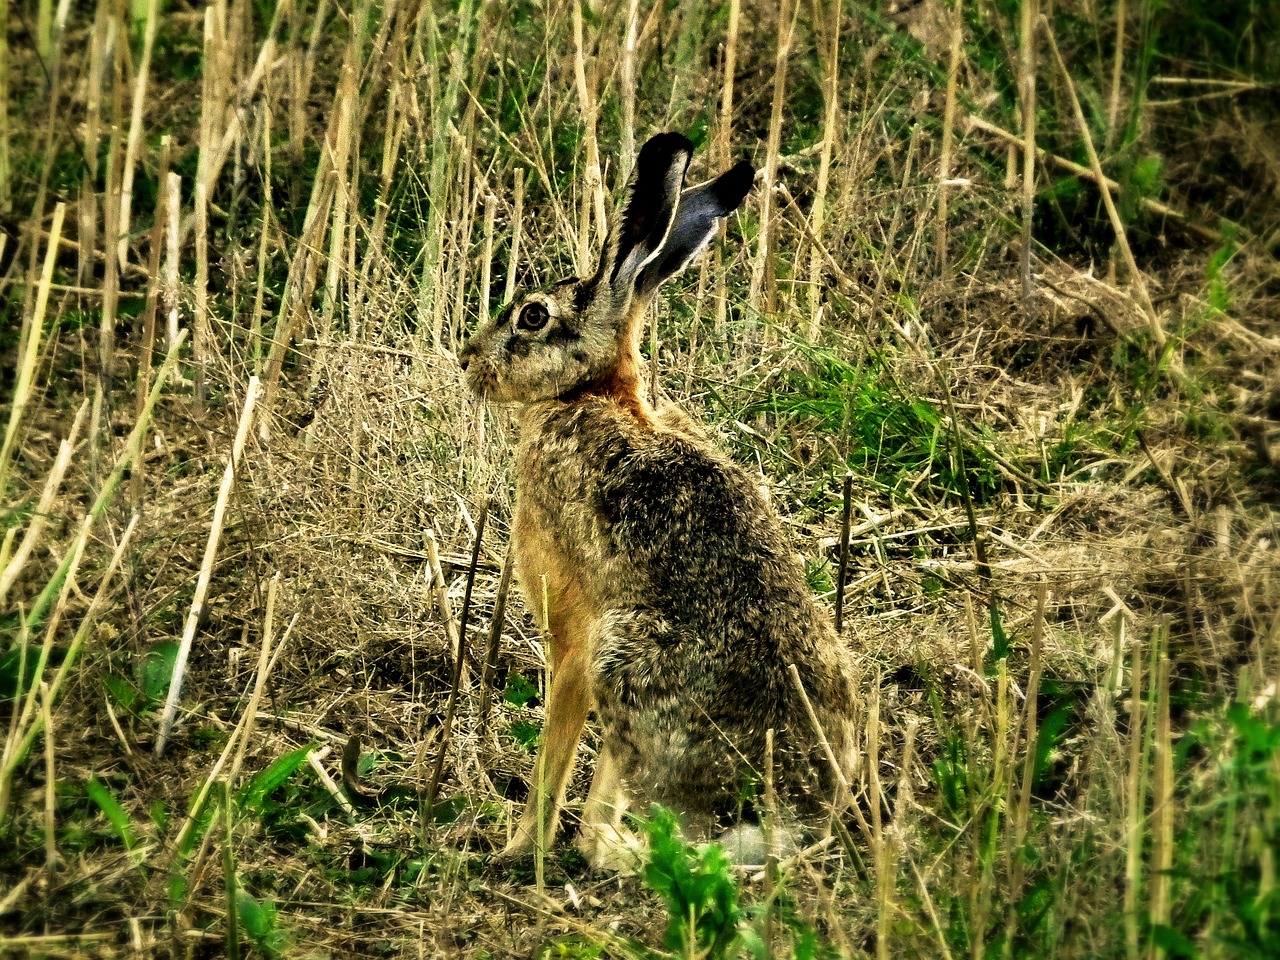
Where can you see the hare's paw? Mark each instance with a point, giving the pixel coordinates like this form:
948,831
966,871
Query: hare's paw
610,848
748,846
524,841
516,847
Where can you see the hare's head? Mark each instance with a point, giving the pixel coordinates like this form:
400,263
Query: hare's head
582,332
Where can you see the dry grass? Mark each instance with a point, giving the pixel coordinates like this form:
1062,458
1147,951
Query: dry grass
1058,526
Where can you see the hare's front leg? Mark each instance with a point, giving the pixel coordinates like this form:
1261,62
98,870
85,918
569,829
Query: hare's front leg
568,702
602,838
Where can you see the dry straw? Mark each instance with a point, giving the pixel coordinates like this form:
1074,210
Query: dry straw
494,642
881,839
842,566
32,332
170,712
6,197
87,209
592,198
440,591
948,129
1016,826
14,562
201,332
1163,785
818,214
1027,103
136,114
455,686
763,293
111,220
154,282
627,157
173,245
1117,74
724,149
1122,237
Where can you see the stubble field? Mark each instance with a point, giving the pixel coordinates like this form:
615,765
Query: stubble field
257,234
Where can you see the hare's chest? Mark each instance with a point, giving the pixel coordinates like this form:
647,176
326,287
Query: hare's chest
556,583
564,558
553,495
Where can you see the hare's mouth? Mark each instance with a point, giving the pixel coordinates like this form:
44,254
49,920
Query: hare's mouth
479,378
483,381
480,381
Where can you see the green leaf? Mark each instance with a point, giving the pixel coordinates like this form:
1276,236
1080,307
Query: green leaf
526,733
1220,295
159,815
1173,943
253,794
519,691
1146,174
1048,737
9,680
125,694
448,811
157,670
259,919
570,948
112,810
1000,643
256,918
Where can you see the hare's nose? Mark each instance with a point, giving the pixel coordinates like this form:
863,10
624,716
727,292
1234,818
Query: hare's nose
464,356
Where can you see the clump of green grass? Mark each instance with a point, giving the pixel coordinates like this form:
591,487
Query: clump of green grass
1224,862
879,428
698,889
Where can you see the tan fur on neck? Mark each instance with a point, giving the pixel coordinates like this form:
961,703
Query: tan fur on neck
621,382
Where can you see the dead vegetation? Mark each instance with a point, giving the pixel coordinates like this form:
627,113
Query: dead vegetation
1062,578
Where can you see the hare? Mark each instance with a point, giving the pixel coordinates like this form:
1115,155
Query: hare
672,601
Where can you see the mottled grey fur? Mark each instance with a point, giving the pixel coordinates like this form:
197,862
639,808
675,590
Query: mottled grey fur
703,604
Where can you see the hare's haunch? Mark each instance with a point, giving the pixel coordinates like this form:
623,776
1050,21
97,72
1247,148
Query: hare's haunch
674,602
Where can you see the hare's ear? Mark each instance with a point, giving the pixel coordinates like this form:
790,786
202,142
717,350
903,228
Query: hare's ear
655,193
699,212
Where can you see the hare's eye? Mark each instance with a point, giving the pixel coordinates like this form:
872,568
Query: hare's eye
533,317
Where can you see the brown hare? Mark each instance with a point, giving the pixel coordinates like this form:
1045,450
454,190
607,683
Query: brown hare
674,604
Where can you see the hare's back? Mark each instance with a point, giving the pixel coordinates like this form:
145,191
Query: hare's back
699,530
691,680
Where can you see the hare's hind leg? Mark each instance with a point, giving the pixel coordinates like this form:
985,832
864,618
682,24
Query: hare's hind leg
652,692
568,702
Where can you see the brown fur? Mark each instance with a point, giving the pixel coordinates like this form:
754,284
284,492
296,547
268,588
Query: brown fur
620,383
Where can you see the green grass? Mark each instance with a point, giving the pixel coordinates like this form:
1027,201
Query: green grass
878,428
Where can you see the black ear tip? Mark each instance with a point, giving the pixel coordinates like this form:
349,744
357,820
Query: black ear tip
660,148
734,185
